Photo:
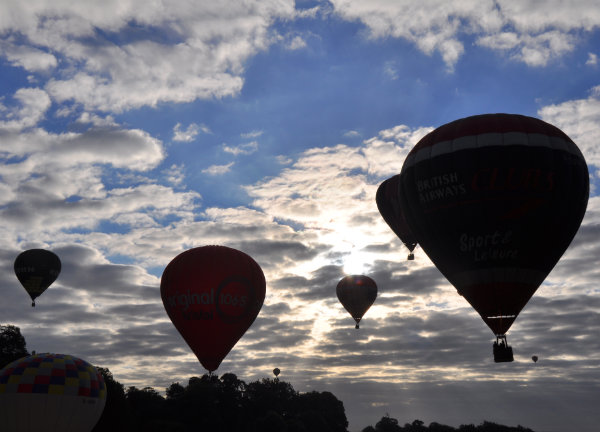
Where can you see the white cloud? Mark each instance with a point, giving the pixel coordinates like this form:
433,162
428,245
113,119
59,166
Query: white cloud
29,58
296,43
214,170
579,119
531,31
31,108
205,47
186,135
252,134
592,59
244,149
175,174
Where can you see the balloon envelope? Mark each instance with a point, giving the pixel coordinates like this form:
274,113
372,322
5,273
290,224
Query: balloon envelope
389,207
534,358
356,293
37,269
212,294
276,372
50,392
495,200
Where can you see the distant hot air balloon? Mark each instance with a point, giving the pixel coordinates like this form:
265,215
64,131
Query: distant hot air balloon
50,392
534,358
212,294
36,269
495,201
356,293
276,372
389,207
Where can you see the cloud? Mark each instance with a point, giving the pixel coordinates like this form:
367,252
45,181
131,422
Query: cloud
592,59
215,170
29,58
242,149
112,59
579,119
434,26
186,135
32,104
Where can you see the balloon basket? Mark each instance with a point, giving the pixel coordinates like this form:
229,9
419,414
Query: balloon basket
502,351
411,257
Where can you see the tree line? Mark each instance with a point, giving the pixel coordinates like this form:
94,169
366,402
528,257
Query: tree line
227,404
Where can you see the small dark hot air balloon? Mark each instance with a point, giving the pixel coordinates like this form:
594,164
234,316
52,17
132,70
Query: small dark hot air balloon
276,372
389,207
212,295
36,269
534,358
356,293
495,201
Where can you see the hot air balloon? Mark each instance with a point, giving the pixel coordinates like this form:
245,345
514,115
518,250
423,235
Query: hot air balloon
534,358
50,392
356,293
212,295
495,201
276,372
36,269
389,207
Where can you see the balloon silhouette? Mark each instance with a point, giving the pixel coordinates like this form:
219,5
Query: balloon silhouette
50,392
36,269
389,207
356,293
276,372
495,201
534,358
212,295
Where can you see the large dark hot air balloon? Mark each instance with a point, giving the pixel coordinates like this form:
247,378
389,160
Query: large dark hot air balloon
389,207
36,269
356,293
50,392
495,201
212,294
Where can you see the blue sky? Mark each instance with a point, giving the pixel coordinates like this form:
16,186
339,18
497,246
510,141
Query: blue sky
131,131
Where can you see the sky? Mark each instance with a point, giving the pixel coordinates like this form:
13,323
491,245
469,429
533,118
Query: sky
133,130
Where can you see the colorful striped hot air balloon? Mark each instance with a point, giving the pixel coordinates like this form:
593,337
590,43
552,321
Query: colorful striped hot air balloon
50,392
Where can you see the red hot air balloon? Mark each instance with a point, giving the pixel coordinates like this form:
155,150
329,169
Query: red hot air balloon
389,207
357,294
36,269
495,201
212,295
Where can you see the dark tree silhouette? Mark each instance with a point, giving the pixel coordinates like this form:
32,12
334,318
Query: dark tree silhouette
116,411
12,344
228,404
387,424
